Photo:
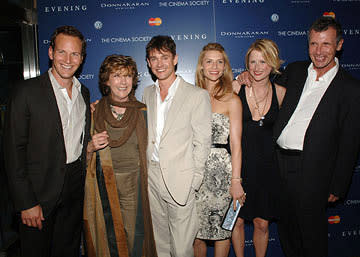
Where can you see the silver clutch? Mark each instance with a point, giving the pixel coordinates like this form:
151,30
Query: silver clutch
231,216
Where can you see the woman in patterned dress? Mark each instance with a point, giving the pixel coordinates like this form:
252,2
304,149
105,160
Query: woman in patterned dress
222,177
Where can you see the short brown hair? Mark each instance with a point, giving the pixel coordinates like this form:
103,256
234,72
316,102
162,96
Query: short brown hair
270,52
113,63
161,43
69,31
323,23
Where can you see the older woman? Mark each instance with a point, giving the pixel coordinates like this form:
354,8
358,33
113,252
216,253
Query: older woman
222,177
261,101
117,214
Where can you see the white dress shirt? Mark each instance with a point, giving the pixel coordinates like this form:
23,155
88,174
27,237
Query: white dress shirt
162,108
72,113
292,136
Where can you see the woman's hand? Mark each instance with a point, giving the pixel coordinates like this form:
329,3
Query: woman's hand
237,192
98,141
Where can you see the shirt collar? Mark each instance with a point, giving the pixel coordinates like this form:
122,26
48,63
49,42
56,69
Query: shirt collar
75,81
329,74
172,89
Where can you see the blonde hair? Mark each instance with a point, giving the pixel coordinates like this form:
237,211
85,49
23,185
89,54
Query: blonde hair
270,52
224,85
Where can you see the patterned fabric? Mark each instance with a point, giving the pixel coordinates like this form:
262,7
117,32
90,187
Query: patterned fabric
213,198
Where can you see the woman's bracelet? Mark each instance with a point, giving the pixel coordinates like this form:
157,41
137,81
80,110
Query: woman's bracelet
237,178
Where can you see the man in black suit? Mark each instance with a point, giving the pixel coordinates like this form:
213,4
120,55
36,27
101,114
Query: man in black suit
318,135
46,135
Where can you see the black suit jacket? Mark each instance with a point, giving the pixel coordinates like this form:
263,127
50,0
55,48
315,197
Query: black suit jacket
34,147
331,143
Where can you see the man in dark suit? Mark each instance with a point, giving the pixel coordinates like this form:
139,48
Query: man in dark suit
46,135
318,135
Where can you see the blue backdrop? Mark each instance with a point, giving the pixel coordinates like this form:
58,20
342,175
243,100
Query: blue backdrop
125,27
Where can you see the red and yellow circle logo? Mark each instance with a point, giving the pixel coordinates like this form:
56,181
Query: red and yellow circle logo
334,219
155,21
329,14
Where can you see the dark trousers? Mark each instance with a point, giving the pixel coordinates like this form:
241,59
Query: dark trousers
302,226
61,232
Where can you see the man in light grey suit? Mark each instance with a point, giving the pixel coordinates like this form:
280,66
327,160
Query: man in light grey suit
179,127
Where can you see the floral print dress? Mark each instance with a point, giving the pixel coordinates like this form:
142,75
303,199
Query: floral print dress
213,197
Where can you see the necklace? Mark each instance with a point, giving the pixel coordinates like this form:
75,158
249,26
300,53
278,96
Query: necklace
119,116
257,106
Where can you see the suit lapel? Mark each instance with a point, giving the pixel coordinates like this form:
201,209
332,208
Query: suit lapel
327,100
52,105
299,86
153,109
290,103
86,96
176,105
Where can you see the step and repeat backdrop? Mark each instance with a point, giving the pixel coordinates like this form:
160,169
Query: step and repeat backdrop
125,27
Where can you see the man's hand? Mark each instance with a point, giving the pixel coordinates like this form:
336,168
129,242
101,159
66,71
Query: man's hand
243,78
332,198
93,105
33,217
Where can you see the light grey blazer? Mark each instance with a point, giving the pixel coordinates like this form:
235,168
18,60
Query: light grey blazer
186,138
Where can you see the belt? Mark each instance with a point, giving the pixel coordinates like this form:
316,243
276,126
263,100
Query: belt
289,152
225,146
73,164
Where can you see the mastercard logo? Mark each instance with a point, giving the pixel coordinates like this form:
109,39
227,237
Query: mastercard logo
334,219
329,14
155,21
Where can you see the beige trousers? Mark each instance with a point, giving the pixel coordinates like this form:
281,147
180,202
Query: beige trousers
175,226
